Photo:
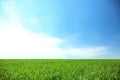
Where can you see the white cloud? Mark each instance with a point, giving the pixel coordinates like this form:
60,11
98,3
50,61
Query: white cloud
89,52
17,42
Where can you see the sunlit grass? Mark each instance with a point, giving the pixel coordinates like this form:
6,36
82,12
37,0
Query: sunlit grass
50,69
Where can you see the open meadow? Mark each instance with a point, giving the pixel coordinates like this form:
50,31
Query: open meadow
55,69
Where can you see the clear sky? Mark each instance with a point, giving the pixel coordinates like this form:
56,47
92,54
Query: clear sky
59,29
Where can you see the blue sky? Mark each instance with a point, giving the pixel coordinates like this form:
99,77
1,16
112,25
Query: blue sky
59,29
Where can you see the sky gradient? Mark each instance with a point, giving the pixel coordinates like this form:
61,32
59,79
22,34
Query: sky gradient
60,29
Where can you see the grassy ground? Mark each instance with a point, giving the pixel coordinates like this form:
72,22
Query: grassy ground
59,69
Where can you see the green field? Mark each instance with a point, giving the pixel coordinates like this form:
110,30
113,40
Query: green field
53,69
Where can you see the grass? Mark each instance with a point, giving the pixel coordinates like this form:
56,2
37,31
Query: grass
55,69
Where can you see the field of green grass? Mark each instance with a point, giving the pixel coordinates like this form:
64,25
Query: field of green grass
53,69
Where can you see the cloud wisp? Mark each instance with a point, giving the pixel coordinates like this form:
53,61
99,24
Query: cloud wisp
18,42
